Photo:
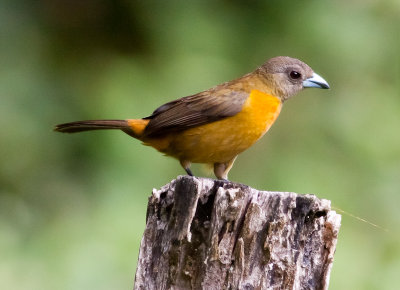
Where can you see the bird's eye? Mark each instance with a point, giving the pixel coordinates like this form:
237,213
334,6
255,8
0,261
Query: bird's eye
295,75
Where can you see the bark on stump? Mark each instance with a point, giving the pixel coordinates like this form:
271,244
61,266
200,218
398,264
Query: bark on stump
208,234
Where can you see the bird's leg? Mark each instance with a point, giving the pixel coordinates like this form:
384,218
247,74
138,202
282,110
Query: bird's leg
186,165
189,172
221,170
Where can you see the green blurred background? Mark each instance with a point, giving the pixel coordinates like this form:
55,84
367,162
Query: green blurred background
72,207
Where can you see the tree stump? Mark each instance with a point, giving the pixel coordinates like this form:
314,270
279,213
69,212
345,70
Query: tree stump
210,234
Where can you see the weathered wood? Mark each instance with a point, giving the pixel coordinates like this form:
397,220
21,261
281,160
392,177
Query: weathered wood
209,234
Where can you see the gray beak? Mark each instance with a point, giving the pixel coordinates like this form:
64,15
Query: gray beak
315,81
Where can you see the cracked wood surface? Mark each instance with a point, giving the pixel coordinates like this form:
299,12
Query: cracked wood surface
208,234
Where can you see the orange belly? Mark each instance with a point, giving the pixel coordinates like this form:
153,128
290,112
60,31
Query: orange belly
222,140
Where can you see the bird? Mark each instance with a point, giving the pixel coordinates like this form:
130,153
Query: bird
214,126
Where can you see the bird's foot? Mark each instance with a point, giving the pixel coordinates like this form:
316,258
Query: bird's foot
189,172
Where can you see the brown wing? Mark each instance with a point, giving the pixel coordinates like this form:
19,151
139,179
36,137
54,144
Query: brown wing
188,112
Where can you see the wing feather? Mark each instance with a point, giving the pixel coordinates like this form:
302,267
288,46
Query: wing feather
195,110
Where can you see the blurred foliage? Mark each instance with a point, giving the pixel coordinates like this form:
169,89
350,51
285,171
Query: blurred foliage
72,207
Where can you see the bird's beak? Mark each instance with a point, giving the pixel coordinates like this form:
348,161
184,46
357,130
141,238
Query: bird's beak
316,81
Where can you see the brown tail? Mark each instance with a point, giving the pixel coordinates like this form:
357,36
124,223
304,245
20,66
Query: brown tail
88,125
134,127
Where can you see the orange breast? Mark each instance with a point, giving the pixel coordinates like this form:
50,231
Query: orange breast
222,140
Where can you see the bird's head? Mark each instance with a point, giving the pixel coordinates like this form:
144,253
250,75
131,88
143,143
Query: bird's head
287,76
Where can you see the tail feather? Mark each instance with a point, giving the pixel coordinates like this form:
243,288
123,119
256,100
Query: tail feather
132,127
80,126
